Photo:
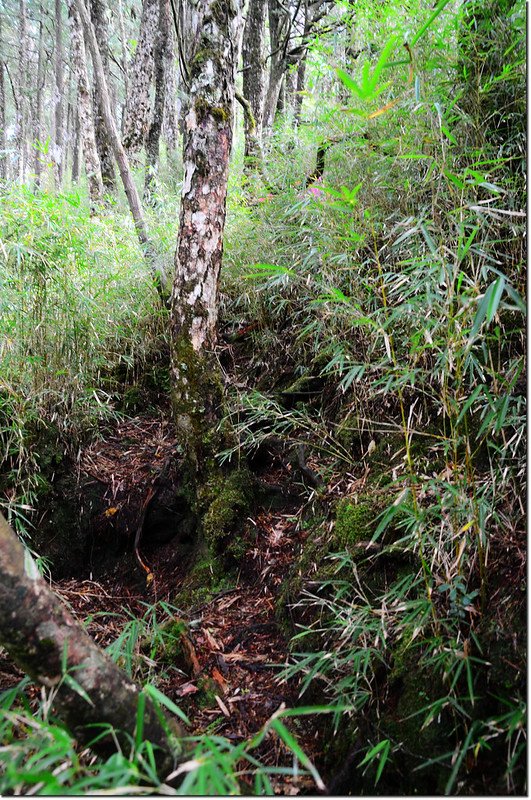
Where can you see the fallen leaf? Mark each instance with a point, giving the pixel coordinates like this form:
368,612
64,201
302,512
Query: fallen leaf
187,688
244,657
222,705
111,511
220,680
210,640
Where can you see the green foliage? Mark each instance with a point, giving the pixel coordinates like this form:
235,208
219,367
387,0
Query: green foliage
40,756
76,308
410,285
391,295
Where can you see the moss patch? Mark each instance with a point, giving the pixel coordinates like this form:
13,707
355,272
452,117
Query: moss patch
355,522
231,496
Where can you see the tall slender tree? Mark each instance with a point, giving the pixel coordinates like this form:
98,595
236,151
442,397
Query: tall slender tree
135,206
98,13
170,125
58,95
291,27
21,109
163,43
138,108
3,141
253,72
84,109
212,36
37,100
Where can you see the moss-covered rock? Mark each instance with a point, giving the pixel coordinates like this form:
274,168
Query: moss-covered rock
230,498
355,521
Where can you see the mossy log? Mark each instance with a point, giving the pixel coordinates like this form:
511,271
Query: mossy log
44,639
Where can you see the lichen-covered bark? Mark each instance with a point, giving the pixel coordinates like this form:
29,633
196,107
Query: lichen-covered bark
137,112
170,125
98,13
58,92
43,638
163,42
253,71
37,102
207,147
84,108
3,160
21,106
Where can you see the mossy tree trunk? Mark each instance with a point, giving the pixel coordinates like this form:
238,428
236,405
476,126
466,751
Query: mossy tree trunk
207,147
90,690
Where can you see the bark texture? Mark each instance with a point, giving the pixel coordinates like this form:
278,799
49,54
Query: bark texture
98,13
3,155
43,638
84,109
57,154
253,70
138,109
163,42
207,147
37,102
21,111
170,126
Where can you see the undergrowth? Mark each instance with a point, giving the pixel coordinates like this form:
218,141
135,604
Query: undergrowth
392,295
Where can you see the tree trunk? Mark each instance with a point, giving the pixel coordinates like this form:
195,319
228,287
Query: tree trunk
3,143
75,148
57,149
138,109
133,199
98,14
21,106
170,125
291,27
278,24
253,71
123,44
153,136
207,148
37,111
46,642
84,108
301,75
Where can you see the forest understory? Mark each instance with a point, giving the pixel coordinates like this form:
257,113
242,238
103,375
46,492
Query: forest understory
263,398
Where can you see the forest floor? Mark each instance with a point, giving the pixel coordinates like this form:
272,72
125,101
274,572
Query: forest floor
226,673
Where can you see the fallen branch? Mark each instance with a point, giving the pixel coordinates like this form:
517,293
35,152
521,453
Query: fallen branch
91,693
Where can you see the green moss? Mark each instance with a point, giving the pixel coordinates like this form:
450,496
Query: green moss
207,578
355,522
232,496
208,689
204,108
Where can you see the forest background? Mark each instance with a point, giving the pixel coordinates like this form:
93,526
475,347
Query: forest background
364,341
